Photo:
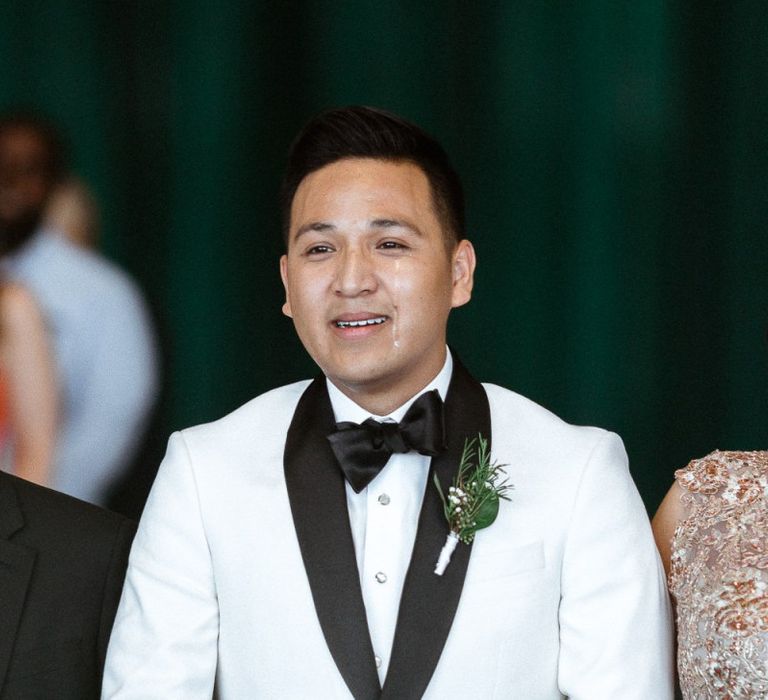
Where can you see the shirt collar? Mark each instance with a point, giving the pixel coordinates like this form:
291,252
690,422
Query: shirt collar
345,409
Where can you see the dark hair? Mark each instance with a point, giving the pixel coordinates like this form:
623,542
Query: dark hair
365,132
46,131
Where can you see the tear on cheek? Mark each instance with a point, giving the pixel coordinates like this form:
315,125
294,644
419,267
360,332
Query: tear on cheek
396,307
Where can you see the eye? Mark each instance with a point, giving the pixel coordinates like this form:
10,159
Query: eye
319,249
392,245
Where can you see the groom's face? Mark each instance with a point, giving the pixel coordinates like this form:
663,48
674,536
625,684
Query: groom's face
369,279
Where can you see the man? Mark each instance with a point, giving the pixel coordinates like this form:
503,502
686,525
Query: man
102,338
62,564
257,567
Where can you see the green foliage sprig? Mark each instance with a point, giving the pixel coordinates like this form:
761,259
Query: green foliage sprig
472,502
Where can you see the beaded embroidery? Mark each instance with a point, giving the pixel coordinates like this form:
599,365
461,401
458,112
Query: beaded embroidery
719,577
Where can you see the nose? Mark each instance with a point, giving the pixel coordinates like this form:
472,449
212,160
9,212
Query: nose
355,274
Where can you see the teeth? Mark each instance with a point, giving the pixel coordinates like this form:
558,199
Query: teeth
357,324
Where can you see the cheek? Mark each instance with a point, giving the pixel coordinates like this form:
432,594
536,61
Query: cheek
427,299
304,299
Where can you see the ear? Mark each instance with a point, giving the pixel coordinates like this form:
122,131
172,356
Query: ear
284,277
463,270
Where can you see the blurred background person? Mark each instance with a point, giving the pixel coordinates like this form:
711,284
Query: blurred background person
73,211
28,397
712,532
103,342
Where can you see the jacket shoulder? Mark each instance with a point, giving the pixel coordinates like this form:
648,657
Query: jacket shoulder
59,515
507,404
516,419
266,415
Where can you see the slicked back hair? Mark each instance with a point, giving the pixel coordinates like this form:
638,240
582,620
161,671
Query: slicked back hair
47,132
365,132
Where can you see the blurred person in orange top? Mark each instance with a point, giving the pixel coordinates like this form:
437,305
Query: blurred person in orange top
28,397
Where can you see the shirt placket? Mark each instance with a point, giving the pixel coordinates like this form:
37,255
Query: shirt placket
383,569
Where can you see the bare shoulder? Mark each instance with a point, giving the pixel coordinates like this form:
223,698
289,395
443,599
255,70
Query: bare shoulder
18,308
671,511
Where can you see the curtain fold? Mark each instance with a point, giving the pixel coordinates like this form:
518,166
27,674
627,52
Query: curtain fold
615,166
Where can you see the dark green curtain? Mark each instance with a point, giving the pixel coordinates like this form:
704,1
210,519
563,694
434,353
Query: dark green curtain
614,157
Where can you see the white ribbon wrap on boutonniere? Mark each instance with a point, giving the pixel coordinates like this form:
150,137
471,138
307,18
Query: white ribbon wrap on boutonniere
472,502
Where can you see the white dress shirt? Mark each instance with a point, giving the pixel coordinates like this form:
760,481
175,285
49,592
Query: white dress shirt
384,518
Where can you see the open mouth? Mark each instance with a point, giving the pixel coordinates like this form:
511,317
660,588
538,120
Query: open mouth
377,321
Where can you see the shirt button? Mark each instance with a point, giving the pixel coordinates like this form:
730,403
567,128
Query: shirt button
384,499
377,659
381,577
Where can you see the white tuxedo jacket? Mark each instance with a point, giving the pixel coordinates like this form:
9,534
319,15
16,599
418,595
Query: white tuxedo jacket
243,574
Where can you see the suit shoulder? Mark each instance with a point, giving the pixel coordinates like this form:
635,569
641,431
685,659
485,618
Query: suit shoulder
36,500
268,412
512,412
53,520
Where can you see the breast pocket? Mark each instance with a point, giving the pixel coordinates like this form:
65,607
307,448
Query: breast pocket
507,562
513,592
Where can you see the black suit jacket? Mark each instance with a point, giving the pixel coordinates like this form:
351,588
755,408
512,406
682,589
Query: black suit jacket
62,563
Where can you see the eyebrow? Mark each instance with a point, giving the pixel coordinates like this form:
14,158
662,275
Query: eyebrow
314,226
394,223
319,226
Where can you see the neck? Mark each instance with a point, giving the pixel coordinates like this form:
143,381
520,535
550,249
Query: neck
14,234
376,404
387,397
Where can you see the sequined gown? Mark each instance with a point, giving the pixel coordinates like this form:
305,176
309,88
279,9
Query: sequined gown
719,577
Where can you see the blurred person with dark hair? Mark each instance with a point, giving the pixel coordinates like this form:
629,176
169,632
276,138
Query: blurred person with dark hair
102,338
299,547
62,564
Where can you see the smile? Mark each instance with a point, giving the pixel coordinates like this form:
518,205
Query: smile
357,324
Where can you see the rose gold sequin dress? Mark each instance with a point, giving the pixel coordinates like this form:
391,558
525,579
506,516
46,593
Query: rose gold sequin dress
719,577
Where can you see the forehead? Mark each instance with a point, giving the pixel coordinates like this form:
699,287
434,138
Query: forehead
355,187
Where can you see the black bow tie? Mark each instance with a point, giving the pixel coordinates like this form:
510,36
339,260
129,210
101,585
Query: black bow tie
363,449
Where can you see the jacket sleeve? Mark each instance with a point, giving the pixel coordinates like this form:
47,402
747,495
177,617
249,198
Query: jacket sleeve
113,584
164,640
615,624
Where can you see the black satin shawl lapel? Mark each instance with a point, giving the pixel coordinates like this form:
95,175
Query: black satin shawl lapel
428,604
16,564
319,506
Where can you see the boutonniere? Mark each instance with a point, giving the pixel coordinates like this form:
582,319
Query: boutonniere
472,502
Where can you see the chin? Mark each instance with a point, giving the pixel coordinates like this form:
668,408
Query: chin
358,377
359,380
